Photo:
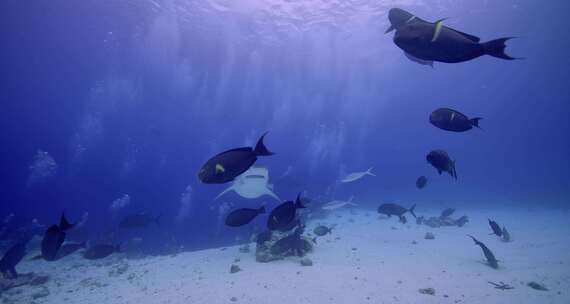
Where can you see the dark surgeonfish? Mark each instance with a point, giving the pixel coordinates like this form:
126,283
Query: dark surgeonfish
394,209
227,165
429,41
421,182
100,251
496,228
11,258
69,248
282,215
54,238
491,260
138,221
243,216
441,161
452,120
447,212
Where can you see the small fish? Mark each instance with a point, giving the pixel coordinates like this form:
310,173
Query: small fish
447,212
54,238
421,182
138,221
282,215
228,165
506,235
332,205
243,216
100,251
440,160
11,258
394,209
537,286
432,41
496,228
452,120
491,260
323,230
357,175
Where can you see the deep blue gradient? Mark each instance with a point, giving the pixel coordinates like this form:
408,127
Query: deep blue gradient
150,91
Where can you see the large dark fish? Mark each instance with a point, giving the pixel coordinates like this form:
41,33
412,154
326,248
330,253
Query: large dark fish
11,258
282,215
227,165
68,249
421,182
54,238
435,42
394,209
447,212
441,161
496,228
488,254
243,216
100,251
452,120
138,221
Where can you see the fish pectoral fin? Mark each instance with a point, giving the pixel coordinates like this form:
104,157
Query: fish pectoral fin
272,194
224,192
437,29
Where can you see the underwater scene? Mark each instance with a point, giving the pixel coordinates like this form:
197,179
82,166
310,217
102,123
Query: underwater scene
284,151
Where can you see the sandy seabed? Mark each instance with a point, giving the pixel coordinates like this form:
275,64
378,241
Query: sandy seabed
366,259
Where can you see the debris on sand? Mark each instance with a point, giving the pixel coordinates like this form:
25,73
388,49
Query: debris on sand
282,244
234,268
429,236
306,262
501,285
537,286
428,291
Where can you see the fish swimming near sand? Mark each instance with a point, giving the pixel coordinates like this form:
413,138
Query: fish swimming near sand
322,230
452,120
253,183
100,251
140,220
11,258
421,182
243,216
440,160
226,166
395,209
332,205
54,238
491,260
506,235
432,41
357,175
496,228
284,214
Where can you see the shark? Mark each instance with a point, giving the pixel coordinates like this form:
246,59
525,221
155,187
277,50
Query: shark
251,184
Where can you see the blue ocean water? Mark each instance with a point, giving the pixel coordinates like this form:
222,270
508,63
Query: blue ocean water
103,100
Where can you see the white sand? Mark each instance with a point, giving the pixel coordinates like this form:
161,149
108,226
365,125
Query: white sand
383,267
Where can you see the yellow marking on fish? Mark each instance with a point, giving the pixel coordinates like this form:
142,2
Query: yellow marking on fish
452,116
437,31
220,169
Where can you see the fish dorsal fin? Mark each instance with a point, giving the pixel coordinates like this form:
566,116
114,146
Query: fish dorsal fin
437,29
470,37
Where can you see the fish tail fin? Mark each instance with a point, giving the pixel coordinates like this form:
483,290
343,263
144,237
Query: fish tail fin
475,121
298,203
474,239
314,240
260,149
496,48
369,171
412,211
64,223
261,209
